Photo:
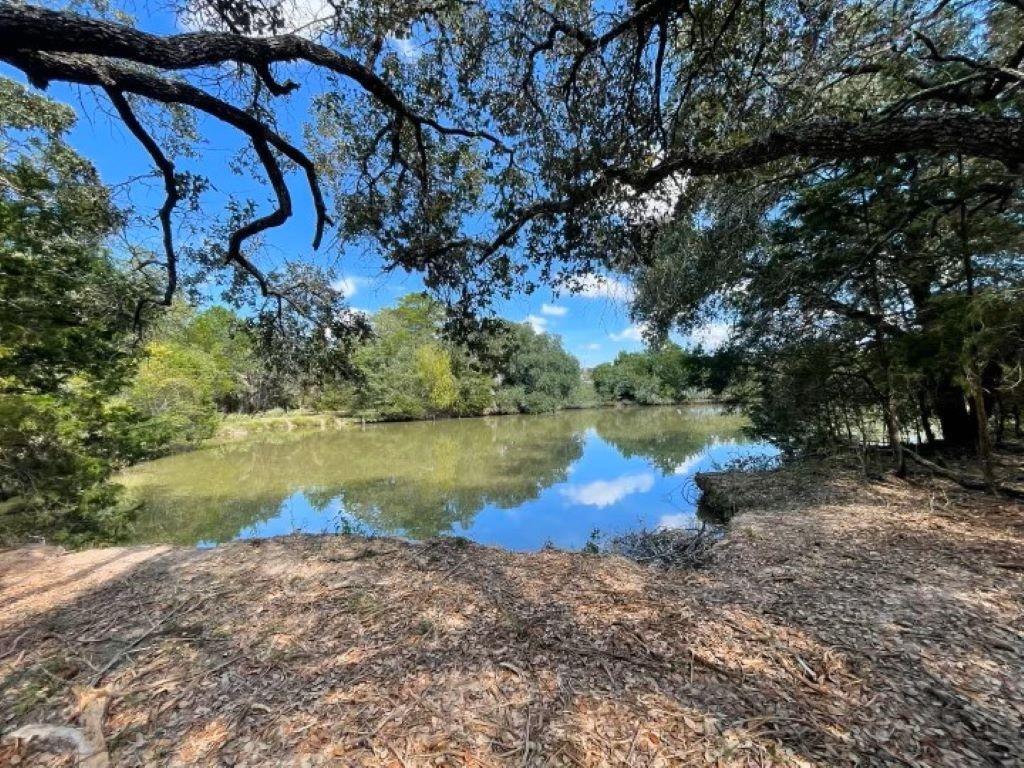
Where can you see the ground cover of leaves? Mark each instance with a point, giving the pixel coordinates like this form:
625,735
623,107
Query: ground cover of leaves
841,622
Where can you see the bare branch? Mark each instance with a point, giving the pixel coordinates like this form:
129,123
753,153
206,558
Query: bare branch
171,196
273,219
86,70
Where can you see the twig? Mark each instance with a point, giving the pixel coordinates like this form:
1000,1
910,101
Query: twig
632,743
137,641
14,646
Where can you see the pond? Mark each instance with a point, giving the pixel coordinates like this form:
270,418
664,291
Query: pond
519,482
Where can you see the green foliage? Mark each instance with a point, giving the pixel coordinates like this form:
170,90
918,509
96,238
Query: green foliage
302,351
394,382
532,371
666,374
176,390
632,377
411,369
195,365
873,301
340,397
65,320
434,374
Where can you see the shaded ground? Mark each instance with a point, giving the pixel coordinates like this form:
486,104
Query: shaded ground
851,623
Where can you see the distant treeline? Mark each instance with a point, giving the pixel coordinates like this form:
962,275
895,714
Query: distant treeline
667,374
199,363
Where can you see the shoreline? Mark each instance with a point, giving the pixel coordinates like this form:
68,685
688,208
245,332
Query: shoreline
840,620
241,426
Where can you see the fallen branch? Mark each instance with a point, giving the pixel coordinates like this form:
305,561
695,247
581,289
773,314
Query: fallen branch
965,481
138,641
666,547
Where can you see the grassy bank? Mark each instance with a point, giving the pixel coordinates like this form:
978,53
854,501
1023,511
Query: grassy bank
237,426
840,622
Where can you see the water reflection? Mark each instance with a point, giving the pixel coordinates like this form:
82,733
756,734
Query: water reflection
517,481
604,493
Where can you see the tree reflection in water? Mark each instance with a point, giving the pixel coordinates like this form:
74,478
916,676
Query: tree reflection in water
516,481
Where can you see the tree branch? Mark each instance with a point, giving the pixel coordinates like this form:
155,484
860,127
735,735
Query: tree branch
171,196
995,137
30,28
43,68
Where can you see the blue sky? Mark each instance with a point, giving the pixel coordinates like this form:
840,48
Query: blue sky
594,324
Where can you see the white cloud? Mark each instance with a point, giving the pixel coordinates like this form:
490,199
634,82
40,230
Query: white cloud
593,346
604,493
634,332
712,335
689,465
554,310
538,323
406,49
348,286
601,287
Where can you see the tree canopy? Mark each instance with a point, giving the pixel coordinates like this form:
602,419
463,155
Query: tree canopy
65,311
563,126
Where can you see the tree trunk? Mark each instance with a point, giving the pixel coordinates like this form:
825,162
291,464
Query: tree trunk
999,411
925,412
892,424
981,416
959,430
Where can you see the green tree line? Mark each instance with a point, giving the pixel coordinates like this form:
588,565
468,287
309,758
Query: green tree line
200,363
666,373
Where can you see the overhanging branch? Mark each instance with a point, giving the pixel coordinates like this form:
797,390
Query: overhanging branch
171,196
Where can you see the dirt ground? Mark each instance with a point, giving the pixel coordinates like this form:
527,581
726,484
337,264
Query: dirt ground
841,622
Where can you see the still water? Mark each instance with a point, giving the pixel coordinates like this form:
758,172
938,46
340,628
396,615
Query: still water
519,482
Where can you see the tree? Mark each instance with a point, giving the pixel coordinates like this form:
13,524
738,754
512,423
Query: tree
534,372
304,349
66,315
666,373
176,390
852,289
434,372
405,371
631,377
413,367
564,123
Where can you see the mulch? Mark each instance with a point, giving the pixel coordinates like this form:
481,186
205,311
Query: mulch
840,622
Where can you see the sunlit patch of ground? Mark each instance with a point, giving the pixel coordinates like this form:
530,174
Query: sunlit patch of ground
34,580
841,623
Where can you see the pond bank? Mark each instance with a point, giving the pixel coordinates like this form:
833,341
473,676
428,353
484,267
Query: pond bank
840,622
241,426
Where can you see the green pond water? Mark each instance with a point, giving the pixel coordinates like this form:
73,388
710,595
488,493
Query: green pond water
519,482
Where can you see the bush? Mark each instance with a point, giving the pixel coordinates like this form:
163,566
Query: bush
175,393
